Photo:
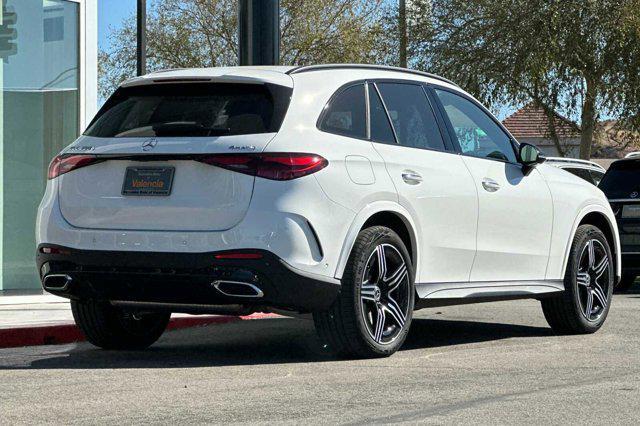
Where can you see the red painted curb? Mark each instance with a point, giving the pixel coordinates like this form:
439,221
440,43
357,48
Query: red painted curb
70,333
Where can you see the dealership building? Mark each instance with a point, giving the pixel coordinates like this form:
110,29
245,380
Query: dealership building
49,93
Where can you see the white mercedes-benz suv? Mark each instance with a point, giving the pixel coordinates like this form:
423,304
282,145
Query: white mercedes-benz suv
354,193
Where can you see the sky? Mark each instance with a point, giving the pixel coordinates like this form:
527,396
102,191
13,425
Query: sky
111,13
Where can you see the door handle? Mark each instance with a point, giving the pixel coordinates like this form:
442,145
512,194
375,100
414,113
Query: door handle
411,177
490,185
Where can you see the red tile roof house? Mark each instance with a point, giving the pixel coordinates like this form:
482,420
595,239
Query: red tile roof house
530,124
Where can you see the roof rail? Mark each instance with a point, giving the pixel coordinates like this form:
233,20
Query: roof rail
309,68
633,154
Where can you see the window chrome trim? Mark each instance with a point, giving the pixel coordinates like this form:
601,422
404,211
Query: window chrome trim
367,108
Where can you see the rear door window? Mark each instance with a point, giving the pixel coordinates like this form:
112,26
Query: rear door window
411,114
192,110
622,180
346,113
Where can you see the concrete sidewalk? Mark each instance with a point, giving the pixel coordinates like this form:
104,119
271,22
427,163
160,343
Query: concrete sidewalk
28,320
34,311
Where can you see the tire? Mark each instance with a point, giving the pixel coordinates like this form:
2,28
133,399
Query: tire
587,280
370,320
626,282
109,327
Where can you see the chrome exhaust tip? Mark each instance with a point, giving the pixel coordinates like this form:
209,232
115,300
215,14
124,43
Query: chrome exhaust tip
238,289
57,282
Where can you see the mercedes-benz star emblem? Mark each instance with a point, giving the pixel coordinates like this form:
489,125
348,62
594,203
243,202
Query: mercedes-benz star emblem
634,194
149,144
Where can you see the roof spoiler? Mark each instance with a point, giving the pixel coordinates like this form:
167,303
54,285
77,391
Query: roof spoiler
206,76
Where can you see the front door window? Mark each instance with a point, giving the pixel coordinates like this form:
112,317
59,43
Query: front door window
477,134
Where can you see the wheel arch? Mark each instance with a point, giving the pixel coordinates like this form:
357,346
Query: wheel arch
387,214
603,220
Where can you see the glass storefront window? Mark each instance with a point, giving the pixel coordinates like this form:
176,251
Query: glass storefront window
39,115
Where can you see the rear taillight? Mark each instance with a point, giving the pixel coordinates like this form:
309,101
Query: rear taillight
274,166
65,163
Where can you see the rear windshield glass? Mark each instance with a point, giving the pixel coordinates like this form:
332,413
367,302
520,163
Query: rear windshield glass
192,110
621,180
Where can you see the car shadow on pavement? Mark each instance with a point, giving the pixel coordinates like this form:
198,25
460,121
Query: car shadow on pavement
632,293
267,341
428,333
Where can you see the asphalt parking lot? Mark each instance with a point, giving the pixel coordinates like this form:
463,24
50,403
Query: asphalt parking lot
491,363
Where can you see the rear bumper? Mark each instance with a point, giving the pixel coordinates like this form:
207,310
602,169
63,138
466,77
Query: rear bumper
293,220
188,279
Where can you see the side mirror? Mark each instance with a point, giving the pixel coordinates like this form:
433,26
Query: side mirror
530,155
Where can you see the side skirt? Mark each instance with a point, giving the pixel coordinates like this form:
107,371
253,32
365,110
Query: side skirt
443,294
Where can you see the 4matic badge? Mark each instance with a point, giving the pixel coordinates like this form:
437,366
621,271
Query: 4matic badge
242,148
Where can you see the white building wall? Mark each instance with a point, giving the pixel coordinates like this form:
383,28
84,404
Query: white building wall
48,94
89,58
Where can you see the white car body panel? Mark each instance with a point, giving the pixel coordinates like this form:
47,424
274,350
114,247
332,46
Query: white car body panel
91,197
573,199
276,222
459,231
514,222
361,218
443,206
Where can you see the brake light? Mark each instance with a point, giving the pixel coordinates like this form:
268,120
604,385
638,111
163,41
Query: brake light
274,166
62,164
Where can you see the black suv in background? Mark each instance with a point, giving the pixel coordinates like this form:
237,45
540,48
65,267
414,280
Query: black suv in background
621,185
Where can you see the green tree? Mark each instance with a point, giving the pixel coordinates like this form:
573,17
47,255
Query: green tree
203,33
404,31
580,58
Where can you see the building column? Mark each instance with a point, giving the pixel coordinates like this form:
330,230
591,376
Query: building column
141,48
259,32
